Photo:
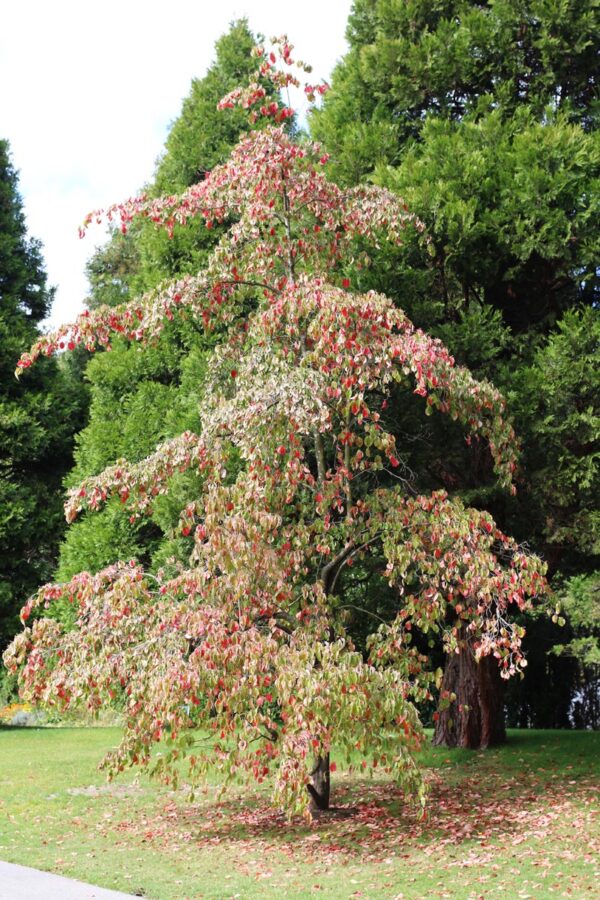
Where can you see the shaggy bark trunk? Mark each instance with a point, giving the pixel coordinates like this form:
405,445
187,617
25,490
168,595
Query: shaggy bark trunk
320,784
475,720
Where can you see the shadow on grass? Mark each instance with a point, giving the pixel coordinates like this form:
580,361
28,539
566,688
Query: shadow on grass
372,820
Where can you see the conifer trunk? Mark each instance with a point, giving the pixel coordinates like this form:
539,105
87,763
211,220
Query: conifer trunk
475,720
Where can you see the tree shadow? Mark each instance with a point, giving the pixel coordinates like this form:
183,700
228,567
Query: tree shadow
373,818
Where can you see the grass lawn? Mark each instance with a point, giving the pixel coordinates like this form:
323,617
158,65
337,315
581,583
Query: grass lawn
518,822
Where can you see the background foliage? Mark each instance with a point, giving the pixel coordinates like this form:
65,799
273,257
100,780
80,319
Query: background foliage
484,118
37,420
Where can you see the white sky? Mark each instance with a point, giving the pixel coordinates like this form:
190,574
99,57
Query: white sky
88,90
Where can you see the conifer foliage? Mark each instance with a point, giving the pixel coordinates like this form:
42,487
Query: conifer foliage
37,421
300,487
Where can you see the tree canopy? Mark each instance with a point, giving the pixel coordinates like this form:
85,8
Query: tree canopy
409,61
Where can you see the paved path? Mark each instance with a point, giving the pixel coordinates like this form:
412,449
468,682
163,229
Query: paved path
21,883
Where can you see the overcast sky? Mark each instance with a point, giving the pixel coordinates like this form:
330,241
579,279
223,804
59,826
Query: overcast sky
88,90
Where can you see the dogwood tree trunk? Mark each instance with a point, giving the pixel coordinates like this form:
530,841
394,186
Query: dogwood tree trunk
319,788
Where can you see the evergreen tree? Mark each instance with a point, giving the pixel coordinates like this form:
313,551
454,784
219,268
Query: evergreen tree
482,116
413,59
36,423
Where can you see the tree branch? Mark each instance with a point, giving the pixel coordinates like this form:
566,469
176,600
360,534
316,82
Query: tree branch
328,570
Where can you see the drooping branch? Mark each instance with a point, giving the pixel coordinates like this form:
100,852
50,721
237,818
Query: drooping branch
140,483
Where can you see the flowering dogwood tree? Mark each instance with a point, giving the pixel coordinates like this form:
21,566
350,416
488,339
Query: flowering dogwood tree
248,641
